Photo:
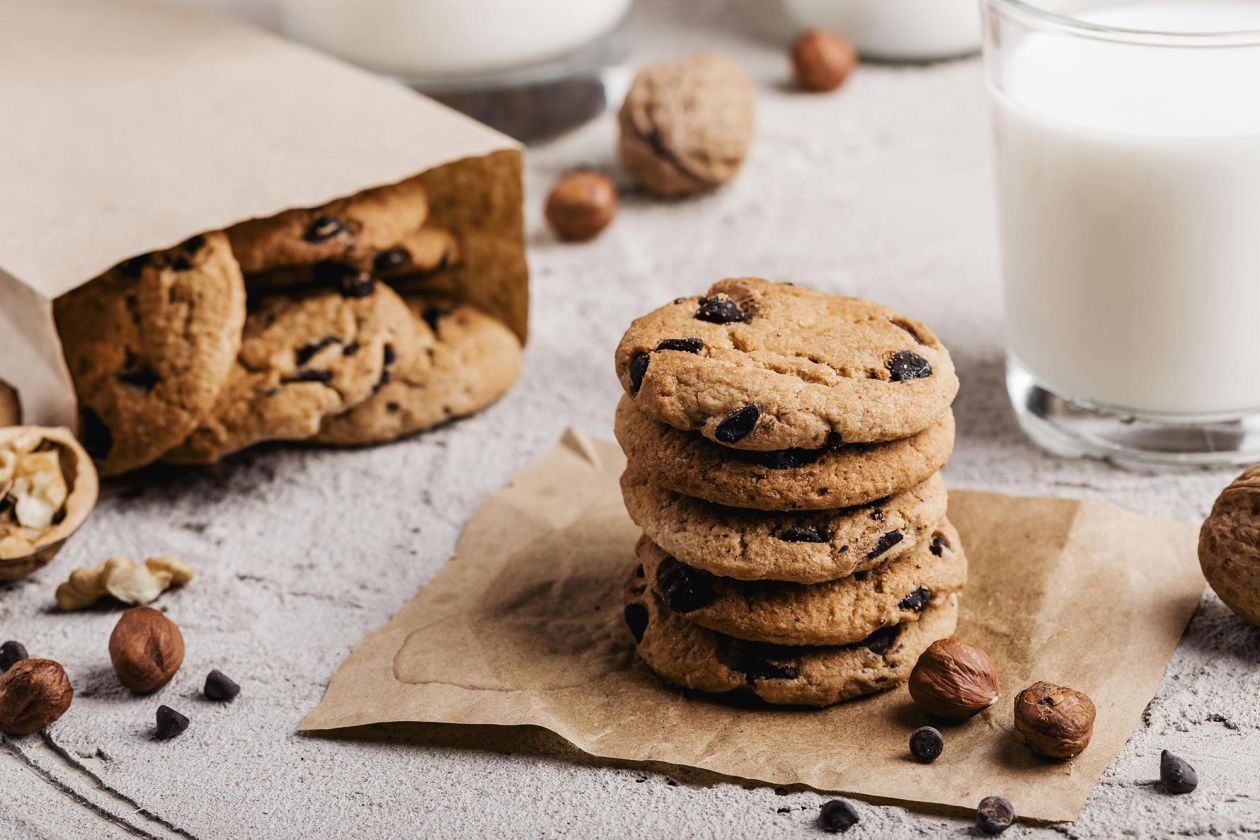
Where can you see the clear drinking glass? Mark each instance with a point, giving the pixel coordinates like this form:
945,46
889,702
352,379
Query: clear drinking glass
1128,173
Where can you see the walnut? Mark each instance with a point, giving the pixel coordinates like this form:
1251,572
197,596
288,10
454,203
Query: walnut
48,487
1054,721
686,126
1229,546
124,579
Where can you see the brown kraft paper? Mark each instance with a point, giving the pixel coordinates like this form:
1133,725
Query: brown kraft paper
163,122
524,627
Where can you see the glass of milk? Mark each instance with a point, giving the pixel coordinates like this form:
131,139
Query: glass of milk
1128,174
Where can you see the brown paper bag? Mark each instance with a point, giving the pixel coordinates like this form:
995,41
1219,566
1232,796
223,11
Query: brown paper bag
131,125
524,626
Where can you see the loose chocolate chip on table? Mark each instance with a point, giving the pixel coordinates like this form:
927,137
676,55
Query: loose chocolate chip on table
685,589
804,533
684,345
391,258
881,640
906,365
357,284
307,351
11,652
1177,774
926,744
917,600
141,377
220,687
170,723
325,228
97,439
994,815
885,542
719,310
434,315
837,815
737,425
315,375
636,616
638,369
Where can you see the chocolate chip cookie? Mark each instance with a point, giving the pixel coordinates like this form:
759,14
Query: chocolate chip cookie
149,346
800,547
763,366
694,657
301,359
465,361
837,612
372,220
789,479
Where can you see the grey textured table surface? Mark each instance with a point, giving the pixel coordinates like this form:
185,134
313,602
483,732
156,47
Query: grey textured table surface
882,191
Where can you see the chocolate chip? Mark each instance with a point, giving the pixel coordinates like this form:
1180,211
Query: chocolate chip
1176,774
683,345
684,588
357,284
181,263
804,533
389,354
994,815
11,652
325,228
836,816
881,640
939,544
434,315
917,600
392,407
738,424
391,259
313,375
194,244
220,687
636,616
878,514
926,744
350,349
132,267
834,442
638,369
97,439
141,377
170,723
759,660
307,352
719,309
906,365
769,669
885,542
779,459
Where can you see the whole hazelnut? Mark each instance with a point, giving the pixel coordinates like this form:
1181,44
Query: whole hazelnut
822,60
581,205
1054,721
146,648
33,694
954,680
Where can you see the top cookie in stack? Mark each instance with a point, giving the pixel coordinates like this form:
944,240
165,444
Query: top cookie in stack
281,329
783,447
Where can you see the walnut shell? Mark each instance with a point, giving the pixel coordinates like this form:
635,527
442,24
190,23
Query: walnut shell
1229,546
686,126
80,475
33,694
146,649
954,680
1054,721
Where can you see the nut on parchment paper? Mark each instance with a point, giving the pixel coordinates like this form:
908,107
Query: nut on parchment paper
581,205
686,126
123,579
146,649
1054,721
48,487
954,680
1229,546
822,60
33,694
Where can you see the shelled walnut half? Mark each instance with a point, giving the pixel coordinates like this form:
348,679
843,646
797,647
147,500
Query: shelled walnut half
48,487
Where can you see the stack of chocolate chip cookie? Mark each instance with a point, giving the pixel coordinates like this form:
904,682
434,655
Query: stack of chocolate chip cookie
783,451
309,325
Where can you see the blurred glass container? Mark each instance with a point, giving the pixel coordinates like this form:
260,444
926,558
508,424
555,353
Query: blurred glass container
532,68
897,30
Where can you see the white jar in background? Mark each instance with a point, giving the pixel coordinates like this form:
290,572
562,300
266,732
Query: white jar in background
898,30
433,40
